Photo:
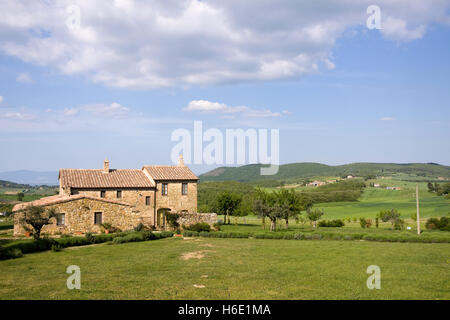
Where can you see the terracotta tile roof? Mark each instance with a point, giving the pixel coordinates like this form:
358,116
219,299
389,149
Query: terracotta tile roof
170,173
63,198
96,178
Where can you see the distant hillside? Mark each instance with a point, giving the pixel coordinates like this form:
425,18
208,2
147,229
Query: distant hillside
305,170
9,184
35,178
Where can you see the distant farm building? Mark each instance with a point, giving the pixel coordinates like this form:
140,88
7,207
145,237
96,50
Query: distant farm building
316,183
394,188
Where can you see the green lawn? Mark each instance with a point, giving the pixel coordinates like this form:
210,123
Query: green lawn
233,269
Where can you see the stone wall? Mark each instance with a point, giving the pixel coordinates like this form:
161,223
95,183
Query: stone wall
174,199
193,218
79,217
134,197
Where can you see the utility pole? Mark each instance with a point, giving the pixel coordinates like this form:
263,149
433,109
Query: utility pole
417,203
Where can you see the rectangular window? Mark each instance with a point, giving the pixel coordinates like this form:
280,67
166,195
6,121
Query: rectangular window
119,194
97,218
60,219
184,189
147,201
102,194
164,189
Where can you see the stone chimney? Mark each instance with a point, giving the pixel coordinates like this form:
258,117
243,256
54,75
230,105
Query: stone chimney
181,161
106,166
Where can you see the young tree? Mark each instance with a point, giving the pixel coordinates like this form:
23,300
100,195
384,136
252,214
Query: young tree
301,219
362,222
264,207
227,204
37,218
20,196
393,216
289,204
243,210
314,216
261,205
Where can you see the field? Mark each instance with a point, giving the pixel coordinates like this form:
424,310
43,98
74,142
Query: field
232,269
211,268
374,200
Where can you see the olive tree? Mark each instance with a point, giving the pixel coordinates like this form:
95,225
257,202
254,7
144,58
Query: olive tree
392,216
288,204
264,207
314,216
227,204
37,217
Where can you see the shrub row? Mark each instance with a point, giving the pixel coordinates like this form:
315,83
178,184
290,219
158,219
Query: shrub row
142,236
436,223
424,238
17,249
198,227
331,223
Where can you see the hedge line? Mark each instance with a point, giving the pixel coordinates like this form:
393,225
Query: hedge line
423,238
17,249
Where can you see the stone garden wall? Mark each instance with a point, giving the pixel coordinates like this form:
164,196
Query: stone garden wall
192,218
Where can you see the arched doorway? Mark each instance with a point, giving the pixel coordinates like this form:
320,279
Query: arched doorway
161,218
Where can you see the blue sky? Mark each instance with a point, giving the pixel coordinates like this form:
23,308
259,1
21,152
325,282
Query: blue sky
350,94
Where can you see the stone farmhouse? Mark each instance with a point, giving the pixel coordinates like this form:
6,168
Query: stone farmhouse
122,197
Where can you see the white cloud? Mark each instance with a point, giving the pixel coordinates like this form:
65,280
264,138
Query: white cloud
228,111
1,99
387,119
396,29
203,105
24,78
153,44
16,116
113,110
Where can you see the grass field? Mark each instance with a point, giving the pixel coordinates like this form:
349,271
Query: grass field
232,269
373,200
27,197
210,268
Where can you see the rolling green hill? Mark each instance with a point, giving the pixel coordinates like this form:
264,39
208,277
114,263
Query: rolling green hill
9,184
305,170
